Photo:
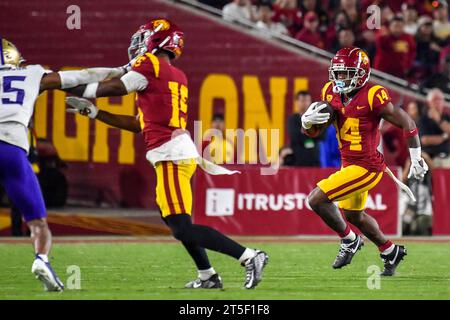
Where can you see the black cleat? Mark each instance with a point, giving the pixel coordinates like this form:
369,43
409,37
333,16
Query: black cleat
214,282
347,251
254,268
392,260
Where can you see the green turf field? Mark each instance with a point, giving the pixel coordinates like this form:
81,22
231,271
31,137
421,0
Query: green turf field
159,271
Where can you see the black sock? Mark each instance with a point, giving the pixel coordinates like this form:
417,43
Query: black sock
198,254
203,236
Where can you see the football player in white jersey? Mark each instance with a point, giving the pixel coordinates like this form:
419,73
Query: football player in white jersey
19,88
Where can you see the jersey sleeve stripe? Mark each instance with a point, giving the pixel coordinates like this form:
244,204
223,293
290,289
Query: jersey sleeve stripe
371,94
155,62
324,89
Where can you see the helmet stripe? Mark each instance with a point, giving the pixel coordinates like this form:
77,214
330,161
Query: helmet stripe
359,60
1,52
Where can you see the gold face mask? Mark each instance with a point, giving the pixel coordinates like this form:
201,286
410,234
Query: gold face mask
10,57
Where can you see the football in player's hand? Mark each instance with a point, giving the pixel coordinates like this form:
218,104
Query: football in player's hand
318,129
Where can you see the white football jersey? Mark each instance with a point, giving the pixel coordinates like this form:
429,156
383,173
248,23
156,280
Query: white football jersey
19,89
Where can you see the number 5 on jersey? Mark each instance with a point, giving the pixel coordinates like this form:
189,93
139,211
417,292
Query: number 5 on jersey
179,103
9,88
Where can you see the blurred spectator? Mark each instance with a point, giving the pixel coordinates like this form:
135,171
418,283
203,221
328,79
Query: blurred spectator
264,19
386,15
330,156
310,33
441,24
346,38
287,157
414,110
395,50
440,80
315,6
239,10
340,21
288,13
394,5
410,14
51,176
367,42
434,128
216,147
427,52
306,149
351,9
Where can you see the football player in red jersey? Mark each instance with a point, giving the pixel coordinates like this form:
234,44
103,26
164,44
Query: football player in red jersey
162,92
359,108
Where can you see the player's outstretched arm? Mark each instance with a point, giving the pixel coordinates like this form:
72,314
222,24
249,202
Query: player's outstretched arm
66,80
399,118
130,82
87,108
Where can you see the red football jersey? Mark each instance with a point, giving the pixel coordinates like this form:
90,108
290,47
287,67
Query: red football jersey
163,104
357,125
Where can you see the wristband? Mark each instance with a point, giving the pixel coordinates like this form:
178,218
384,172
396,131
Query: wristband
410,133
91,90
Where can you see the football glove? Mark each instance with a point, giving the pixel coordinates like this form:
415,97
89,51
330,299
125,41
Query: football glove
313,116
418,167
82,106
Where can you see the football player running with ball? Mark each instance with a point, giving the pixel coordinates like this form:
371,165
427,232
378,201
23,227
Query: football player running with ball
162,92
358,109
20,86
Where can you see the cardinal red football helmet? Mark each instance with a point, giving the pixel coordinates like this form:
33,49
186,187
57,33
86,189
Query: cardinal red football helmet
354,64
158,34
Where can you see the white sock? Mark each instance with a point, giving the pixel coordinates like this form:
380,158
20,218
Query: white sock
43,257
351,236
389,250
248,253
206,274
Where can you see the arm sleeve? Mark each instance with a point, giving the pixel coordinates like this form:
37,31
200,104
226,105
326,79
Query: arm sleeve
73,78
134,81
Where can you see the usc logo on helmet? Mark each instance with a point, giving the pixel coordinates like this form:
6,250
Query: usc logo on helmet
364,57
165,24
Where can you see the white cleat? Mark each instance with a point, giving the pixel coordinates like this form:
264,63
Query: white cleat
254,268
44,273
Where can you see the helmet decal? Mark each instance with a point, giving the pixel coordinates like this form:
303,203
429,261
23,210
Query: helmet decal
160,25
156,35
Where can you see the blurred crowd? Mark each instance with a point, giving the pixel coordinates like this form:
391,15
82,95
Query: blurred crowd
406,38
